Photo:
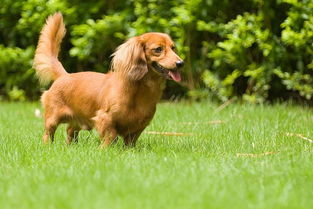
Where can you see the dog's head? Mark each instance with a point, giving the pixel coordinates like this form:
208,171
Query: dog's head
149,52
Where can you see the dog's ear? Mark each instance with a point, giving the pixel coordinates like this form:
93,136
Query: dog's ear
130,59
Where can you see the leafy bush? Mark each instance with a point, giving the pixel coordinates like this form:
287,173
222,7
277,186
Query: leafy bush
90,39
16,75
254,58
256,50
244,53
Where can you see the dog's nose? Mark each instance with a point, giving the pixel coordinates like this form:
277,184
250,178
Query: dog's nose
180,63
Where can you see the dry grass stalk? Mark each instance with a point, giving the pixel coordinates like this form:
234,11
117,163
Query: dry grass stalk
205,123
168,133
300,136
255,155
225,104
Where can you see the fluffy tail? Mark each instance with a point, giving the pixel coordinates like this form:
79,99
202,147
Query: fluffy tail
46,63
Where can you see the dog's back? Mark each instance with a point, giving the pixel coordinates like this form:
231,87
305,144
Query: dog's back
77,91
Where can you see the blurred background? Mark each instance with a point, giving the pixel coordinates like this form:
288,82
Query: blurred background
250,50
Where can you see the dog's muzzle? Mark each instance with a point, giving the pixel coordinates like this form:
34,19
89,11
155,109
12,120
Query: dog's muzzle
173,74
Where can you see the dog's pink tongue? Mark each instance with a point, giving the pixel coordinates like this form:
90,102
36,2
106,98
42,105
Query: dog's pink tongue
175,75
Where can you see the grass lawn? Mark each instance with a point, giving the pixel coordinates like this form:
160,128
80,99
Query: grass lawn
243,159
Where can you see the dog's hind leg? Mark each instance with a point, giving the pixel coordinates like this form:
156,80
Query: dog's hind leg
53,117
50,127
72,133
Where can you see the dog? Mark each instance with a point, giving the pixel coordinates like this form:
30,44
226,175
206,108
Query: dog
121,102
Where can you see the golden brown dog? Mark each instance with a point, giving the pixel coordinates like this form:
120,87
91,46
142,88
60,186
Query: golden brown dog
121,102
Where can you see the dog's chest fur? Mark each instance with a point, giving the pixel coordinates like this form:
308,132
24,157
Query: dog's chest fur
137,108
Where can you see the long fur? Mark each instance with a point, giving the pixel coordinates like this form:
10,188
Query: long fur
46,63
121,102
129,58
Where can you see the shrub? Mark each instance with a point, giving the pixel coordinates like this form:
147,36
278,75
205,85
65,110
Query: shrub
253,50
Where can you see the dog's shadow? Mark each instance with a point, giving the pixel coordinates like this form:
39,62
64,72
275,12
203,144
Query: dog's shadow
148,144
91,138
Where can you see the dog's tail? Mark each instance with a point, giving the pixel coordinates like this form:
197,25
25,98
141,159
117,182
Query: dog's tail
48,67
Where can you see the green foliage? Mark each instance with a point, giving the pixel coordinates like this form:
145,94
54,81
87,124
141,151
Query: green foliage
256,50
244,52
297,35
252,53
16,75
90,39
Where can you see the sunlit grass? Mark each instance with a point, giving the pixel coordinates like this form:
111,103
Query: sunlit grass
245,160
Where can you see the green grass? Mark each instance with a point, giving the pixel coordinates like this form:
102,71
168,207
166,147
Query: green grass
197,171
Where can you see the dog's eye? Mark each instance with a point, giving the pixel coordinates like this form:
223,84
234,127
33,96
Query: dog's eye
158,50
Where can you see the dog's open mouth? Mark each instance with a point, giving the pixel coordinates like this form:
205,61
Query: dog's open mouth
167,73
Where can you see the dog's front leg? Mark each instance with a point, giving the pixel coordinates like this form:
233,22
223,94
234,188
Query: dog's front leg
106,129
72,133
107,135
131,139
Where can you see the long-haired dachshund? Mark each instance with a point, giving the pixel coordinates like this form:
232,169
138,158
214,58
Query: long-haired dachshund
121,102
